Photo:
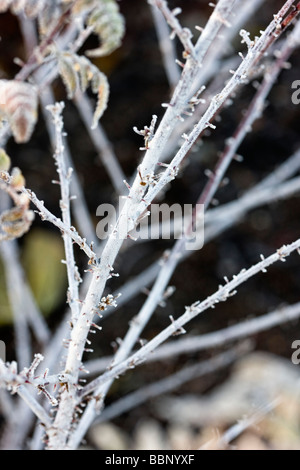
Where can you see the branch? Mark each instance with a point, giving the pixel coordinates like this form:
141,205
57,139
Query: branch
45,214
34,60
244,424
238,428
254,112
216,103
165,274
13,382
79,207
131,210
183,34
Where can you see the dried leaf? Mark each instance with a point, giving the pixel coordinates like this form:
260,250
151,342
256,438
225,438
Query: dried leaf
104,16
49,16
18,104
101,87
68,74
107,23
15,222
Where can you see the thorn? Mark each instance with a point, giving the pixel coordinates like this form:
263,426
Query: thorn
215,202
177,11
181,64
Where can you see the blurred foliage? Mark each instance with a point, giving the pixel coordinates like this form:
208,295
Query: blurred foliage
42,255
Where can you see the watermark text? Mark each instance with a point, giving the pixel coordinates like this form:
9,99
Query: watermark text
296,93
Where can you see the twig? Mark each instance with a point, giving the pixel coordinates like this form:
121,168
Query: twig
212,340
245,423
33,61
224,217
204,123
183,34
35,407
220,17
45,214
30,310
8,379
167,47
167,270
67,396
254,112
211,63
79,206
251,200
222,337
101,273
172,262
80,210
156,294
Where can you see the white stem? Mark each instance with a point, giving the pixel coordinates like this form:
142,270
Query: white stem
45,214
79,206
64,178
183,34
35,407
216,339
